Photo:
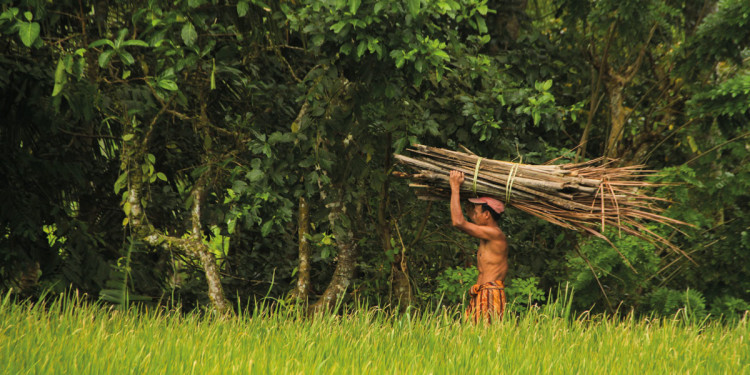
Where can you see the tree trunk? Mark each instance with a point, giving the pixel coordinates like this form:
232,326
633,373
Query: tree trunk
302,291
346,263
133,153
342,276
29,278
215,290
401,284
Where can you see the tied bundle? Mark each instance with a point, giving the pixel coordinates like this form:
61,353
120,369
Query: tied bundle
588,196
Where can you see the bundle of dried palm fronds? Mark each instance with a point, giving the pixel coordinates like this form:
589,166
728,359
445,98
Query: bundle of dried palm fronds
585,196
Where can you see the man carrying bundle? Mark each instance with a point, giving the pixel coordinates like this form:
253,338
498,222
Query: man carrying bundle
488,295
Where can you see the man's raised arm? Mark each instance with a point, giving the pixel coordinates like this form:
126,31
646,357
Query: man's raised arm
458,220
457,216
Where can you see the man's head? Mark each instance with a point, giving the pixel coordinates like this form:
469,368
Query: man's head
486,208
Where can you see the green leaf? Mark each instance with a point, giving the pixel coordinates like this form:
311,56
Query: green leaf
28,31
134,43
441,54
213,74
168,84
59,78
195,3
121,181
242,8
481,25
346,49
361,48
189,35
161,176
419,65
413,6
102,42
692,143
28,16
104,58
126,57
120,37
399,57
255,175
128,137
318,40
353,6
9,14
338,26
547,85
266,228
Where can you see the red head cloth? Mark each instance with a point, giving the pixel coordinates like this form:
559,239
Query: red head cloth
494,204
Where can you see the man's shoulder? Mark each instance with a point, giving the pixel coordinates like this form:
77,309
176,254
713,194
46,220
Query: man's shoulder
499,235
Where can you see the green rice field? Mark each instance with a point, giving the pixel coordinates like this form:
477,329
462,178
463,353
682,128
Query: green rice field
67,337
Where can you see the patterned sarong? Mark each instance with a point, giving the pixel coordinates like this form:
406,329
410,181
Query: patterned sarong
487,302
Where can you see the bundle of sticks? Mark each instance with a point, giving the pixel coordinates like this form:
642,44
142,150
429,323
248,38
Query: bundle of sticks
588,196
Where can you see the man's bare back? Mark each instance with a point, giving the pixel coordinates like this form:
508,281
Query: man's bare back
492,255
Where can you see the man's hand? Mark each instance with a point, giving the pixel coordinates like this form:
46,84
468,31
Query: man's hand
456,179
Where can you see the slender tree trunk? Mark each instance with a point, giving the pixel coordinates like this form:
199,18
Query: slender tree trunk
617,116
596,79
302,291
210,268
616,83
400,284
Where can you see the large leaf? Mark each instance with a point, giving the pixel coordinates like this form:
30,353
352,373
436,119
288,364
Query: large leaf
59,78
28,31
189,35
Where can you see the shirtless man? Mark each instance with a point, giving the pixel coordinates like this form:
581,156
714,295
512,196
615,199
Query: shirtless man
488,295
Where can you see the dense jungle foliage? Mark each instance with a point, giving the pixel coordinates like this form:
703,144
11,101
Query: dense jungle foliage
208,152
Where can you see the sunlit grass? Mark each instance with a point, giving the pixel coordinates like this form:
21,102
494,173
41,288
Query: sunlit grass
76,338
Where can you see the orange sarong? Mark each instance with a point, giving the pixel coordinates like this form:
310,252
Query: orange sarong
487,302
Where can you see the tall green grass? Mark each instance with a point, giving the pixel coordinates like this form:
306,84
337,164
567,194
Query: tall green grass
72,337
